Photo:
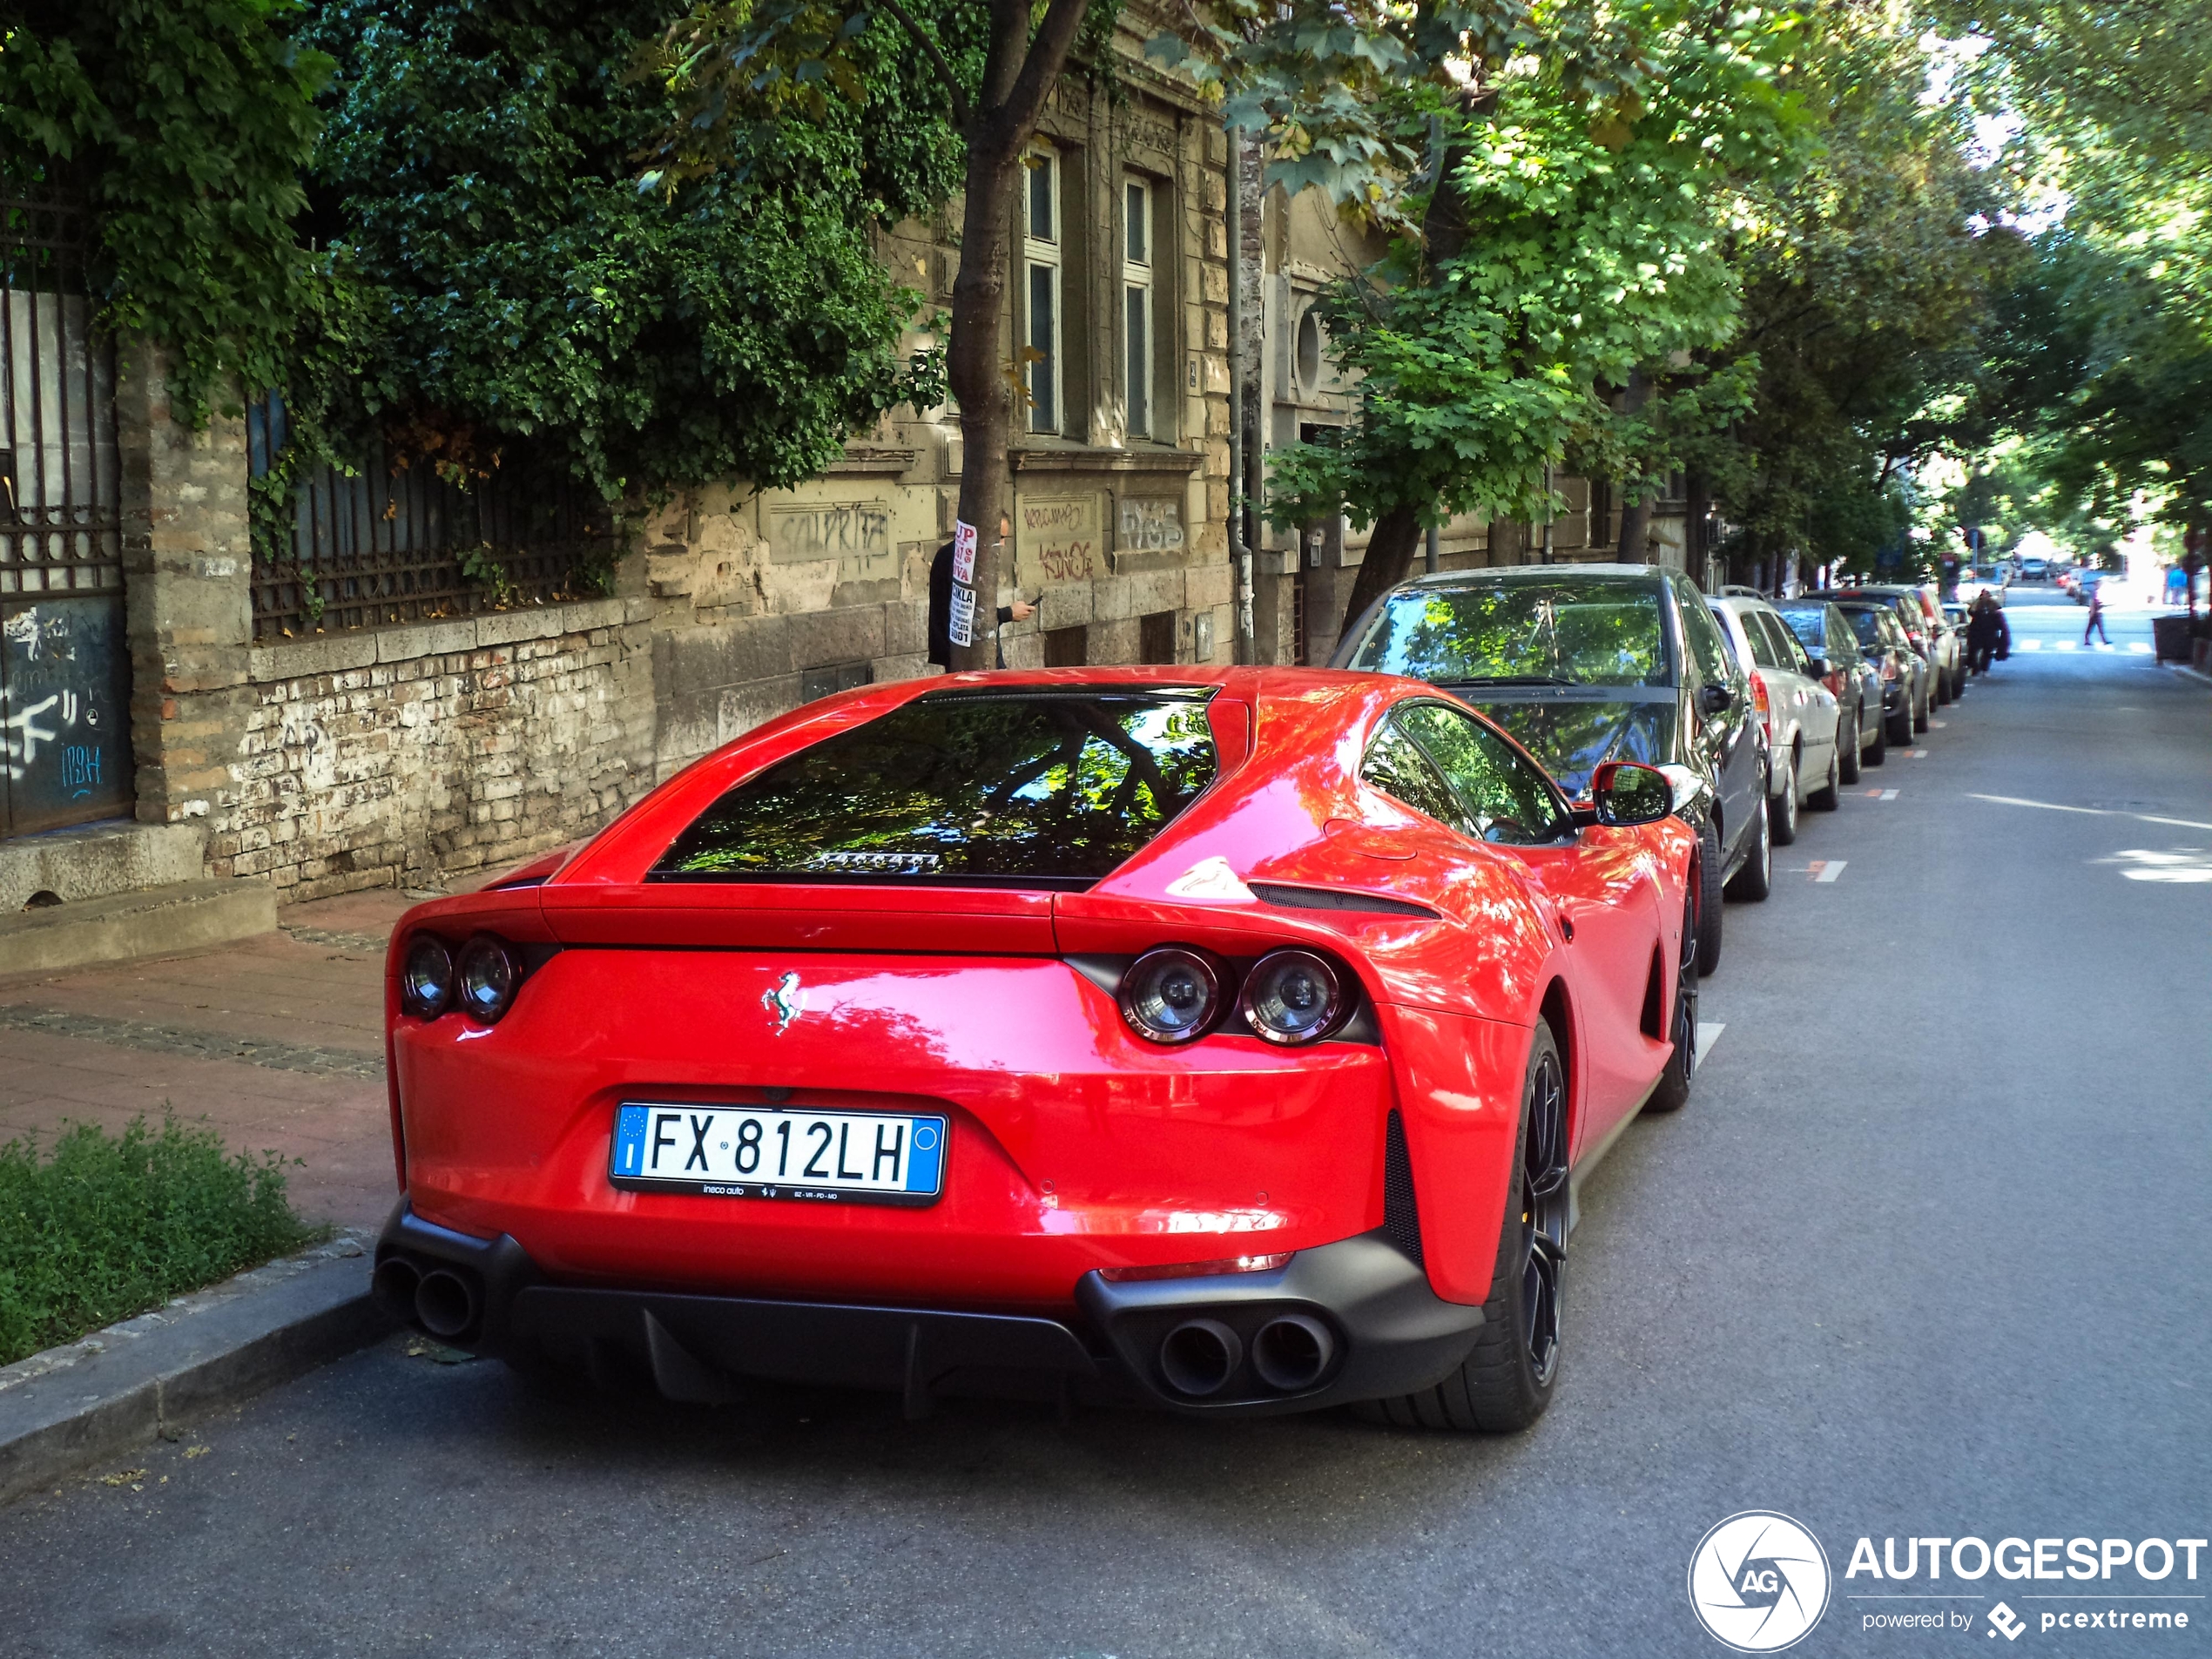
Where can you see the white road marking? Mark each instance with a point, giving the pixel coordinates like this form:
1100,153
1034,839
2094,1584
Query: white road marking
2064,645
2089,811
1889,795
1708,1033
1938,725
2137,648
2027,645
1918,754
1826,869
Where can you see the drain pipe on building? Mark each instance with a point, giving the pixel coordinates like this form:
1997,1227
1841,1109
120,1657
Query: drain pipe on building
1240,555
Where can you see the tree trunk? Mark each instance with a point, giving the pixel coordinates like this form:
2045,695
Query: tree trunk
1390,556
1019,74
1398,532
1635,514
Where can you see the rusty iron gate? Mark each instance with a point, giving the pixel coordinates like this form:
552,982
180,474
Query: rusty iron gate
65,664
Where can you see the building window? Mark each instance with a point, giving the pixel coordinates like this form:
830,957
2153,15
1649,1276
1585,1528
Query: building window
1041,244
1137,298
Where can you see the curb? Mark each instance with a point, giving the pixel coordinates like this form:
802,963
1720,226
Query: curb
149,1376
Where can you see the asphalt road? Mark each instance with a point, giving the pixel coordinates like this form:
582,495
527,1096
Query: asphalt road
1928,1255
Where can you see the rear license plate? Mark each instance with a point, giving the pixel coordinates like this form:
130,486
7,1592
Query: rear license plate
773,1152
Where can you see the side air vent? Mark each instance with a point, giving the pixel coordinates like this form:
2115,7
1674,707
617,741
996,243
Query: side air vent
1335,899
1401,1220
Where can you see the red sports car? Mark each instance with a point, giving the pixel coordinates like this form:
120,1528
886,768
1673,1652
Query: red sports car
1230,1041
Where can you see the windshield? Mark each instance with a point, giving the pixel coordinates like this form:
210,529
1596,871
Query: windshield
1567,633
1031,788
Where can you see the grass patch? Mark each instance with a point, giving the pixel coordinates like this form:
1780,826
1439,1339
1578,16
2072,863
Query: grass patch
106,1226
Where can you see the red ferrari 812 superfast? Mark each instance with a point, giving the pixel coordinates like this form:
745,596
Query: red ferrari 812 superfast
1228,1040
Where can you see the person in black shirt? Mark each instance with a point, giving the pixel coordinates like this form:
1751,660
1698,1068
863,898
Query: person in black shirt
940,606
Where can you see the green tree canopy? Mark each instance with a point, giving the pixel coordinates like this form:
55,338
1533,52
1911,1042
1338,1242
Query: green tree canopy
477,182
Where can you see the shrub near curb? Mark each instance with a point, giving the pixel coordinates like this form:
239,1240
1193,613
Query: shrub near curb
107,1226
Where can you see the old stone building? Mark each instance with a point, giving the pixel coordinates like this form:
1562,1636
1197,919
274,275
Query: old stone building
349,706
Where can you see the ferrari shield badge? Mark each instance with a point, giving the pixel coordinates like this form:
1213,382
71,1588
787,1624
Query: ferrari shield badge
786,1000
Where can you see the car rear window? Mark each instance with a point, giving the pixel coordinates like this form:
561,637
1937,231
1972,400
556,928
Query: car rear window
1577,632
1867,625
1048,788
1810,626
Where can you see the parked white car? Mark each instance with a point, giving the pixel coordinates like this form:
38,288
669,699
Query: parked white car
1800,713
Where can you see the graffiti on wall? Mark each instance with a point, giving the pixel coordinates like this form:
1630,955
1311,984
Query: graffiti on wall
1149,526
64,731
1056,540
857,533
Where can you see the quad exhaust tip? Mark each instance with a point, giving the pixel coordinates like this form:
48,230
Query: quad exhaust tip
397,1279
1200,1355
445,1303
1292,1353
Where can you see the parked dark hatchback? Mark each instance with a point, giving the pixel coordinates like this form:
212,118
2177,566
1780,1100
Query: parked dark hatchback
1590,663
1883,642
1826,632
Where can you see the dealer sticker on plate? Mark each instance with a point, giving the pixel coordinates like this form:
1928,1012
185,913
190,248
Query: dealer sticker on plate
774,1152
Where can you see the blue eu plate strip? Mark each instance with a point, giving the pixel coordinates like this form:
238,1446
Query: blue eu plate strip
630,1140
928,1139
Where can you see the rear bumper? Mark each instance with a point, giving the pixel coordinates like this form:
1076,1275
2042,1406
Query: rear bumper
1382,1330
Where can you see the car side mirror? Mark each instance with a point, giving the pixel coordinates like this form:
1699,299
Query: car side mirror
1624,793
1819,667
1716,699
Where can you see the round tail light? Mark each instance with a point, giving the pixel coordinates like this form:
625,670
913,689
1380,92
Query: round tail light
426,979
1171,994
486,976
1293,996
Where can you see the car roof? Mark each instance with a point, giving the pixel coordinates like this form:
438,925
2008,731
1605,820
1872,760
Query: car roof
1483,575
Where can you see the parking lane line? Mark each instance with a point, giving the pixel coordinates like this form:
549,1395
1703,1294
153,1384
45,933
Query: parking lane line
1708,1033
1826,869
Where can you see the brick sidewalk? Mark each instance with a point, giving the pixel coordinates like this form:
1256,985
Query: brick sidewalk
276,1043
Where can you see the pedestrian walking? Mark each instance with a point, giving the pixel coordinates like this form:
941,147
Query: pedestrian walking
2178,584
2096,624
940,606
1988,634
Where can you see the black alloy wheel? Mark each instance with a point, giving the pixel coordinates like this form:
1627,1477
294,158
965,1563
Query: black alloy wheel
1898,728
1920,714
1543,1214
1847,753
1506,1380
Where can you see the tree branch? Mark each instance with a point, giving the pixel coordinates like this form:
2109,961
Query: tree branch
1048,57
936,58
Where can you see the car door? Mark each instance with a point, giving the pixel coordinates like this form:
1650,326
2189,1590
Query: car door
1728,739
1602,889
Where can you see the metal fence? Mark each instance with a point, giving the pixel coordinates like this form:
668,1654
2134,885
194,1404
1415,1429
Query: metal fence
65,662
392,543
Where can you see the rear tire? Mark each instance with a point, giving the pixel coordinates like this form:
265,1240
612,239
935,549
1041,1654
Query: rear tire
1756,880
1783,821
1847,752
1709,898
1830,795
1672,1092
1504,1384
1897,729
1920,714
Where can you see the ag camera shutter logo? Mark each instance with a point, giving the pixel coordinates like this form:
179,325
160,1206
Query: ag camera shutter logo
1758,1581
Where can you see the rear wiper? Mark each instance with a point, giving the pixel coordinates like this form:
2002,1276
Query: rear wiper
1512,679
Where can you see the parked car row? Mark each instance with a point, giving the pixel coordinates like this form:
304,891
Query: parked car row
1227,1041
